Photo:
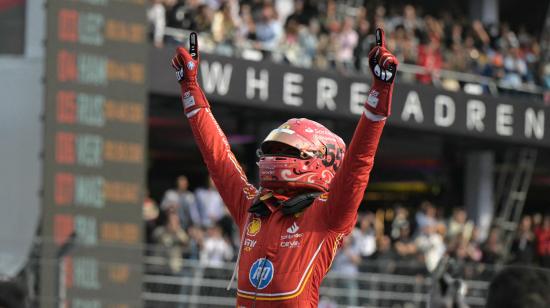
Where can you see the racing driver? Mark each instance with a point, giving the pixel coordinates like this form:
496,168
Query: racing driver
310,187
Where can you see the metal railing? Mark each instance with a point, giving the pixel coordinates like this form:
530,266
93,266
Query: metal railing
383,282
199,286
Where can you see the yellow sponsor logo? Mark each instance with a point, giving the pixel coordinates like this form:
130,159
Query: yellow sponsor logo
254,227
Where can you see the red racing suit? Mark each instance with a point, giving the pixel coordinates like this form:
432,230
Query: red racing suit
284,258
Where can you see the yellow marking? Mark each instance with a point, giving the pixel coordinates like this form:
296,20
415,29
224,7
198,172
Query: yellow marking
266,196
254,227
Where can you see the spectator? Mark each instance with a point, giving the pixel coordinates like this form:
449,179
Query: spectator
345,264
196,239
303,12
211,204
247,27
171,242
150,215
203,19
473,248
309,42
523,247
429,57
185,16
459,227
156,15
189,211
515,69
268,29
175,13
216,250
290,45
224,29
365,41
426,215
364,237
543,242
404,245
170,201
400,221
430,244
347,41
492,249
385,256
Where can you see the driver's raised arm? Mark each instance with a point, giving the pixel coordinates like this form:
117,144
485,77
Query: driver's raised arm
349,184
222,165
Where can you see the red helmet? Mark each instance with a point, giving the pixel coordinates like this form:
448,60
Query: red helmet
300,154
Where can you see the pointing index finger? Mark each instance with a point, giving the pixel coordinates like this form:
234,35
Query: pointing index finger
380,40
193,45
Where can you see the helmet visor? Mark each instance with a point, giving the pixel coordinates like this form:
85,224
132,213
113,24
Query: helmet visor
286,142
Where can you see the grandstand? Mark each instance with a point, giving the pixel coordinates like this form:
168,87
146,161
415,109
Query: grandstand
100,164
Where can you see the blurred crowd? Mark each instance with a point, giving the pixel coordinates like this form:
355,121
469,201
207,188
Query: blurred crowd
411,245
196,225
339,34
190,233
189,225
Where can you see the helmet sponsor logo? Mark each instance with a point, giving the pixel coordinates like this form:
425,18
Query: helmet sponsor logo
261,273
285,130
254,227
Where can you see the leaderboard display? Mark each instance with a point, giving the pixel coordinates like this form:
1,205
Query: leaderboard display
94,153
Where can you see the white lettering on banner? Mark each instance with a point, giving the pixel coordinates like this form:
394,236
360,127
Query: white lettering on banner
357,97
444,112
216,77
291,88
412,108
261,84
534,123
505,120
475,113
326,92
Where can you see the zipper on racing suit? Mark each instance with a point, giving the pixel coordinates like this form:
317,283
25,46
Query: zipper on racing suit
265,259
258,284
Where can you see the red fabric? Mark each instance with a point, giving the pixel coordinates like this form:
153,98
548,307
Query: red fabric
431,60
543,241
383,65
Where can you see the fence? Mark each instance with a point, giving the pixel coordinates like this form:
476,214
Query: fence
198,286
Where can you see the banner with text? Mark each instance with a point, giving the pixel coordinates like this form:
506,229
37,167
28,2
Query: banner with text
420,107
